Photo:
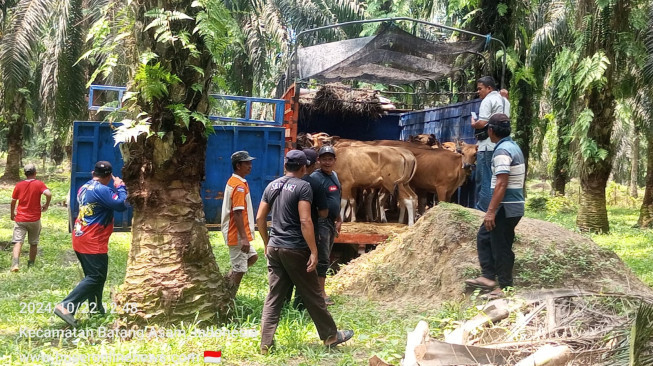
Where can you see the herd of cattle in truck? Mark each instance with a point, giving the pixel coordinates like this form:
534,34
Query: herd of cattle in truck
408,171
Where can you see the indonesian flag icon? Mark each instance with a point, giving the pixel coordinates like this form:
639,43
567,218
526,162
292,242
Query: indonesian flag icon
212,356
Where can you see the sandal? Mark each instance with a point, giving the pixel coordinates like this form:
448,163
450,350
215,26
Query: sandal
342,336
476,283
328,301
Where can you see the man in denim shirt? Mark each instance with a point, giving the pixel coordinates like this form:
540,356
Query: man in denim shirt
493,102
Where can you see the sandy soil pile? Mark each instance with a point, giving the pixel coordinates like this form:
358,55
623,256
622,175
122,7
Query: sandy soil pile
430,261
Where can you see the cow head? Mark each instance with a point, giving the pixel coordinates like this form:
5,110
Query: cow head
321,138
304,140
451,146
424,139
468,152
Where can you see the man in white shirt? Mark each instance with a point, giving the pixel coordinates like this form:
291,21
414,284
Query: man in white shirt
492,103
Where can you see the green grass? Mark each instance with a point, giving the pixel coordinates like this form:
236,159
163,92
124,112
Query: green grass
380,329
632,245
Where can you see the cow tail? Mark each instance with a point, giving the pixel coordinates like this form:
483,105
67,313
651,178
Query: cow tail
412,174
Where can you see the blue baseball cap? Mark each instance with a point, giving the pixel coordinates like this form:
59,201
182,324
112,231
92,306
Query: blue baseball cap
311,156
296,157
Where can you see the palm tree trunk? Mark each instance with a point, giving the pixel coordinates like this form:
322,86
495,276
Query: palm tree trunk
171,274
524,124
634,166
16,117
592,213
646,211
561,167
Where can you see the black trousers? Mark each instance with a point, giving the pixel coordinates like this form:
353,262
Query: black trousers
326,237
287,267
495,249
95,268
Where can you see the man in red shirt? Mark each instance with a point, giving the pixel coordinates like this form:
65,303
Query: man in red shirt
27,215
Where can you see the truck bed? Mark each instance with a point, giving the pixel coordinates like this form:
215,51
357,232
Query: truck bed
368,232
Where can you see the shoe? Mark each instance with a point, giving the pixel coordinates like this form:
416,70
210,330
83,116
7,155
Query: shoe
342,336
30,263
482,283
67,317
497,293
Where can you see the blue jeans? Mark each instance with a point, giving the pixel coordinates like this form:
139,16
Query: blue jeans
483,179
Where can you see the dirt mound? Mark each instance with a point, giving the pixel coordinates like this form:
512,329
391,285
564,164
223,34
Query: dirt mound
430,261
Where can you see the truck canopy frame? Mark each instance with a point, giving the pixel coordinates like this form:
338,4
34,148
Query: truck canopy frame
390,56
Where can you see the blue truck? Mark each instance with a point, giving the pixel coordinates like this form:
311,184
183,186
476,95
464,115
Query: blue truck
267,140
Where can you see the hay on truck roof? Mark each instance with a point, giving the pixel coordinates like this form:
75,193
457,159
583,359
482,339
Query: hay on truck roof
340,99
429,262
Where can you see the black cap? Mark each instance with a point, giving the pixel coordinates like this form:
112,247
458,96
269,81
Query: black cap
241,156
103,169
296,157
311,156
499,119
29,169
327,149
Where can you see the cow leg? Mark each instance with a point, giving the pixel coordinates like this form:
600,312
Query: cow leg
381,205
407,197
421,202
402,212
369,201
442,194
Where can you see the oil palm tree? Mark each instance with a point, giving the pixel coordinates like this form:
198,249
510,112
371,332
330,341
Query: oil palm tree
38,35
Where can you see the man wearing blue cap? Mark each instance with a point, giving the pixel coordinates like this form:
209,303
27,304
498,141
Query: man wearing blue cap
292,254
319,209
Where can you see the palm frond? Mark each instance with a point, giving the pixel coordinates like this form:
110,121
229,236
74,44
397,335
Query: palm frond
648,67
19,44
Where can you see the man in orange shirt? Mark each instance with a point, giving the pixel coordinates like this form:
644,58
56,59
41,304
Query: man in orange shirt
238,219
27,217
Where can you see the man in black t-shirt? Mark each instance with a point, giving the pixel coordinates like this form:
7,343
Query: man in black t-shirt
319,209
292,254
329,225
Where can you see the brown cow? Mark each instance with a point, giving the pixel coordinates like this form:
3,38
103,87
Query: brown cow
426,139
438,171
363,166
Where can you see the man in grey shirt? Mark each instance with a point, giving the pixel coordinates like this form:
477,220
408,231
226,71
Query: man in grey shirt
492,103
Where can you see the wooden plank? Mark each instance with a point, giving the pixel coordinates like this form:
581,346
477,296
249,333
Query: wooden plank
351,238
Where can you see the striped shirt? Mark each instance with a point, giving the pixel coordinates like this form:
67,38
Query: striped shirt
237,198
509,159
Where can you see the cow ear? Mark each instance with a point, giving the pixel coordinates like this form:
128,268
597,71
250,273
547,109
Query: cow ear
334,139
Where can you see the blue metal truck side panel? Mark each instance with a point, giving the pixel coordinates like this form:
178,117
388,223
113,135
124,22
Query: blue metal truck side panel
266,144
447,123
93,141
